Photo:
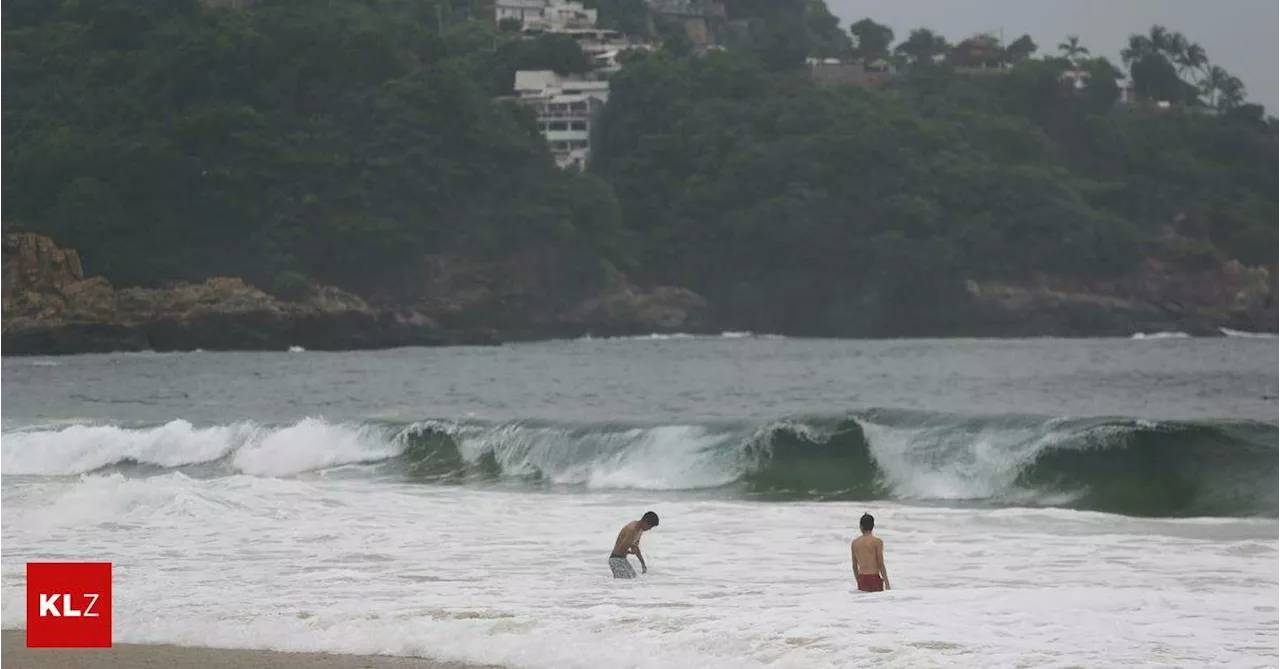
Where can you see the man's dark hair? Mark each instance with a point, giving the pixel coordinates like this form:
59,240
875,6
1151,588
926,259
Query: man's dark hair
868,523
650,518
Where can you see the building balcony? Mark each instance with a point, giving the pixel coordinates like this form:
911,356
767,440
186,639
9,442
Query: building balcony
578,115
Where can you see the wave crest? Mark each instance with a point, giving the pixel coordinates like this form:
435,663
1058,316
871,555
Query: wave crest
1115,465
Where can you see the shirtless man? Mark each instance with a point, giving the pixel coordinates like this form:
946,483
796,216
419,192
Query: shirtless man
629,542
868,558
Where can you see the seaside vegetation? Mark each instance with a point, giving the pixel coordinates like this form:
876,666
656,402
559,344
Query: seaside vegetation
345,140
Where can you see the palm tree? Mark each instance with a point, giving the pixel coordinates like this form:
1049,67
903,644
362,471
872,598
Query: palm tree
1072,48
1221,88
1231,93
1193,58
1139,46
1213,82
1175,47
1159,38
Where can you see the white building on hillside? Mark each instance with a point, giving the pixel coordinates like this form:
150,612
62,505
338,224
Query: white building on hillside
560,16
566,108
545,15
540,84
519,10
601,46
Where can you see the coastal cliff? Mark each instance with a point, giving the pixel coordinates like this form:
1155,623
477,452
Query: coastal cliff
50,307
1157,298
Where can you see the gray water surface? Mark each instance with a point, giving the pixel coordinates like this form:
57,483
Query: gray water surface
658,380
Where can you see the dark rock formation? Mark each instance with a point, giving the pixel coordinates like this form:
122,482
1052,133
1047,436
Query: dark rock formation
530,296
50,308
1155,299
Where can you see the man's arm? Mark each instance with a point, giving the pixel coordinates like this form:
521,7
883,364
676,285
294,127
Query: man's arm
884,573
635,548
853,559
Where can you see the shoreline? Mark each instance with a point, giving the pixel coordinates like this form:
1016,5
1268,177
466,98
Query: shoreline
158,656
495,340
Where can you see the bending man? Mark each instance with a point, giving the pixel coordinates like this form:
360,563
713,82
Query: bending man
628,543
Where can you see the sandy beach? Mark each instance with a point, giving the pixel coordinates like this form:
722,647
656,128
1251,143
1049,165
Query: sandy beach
17,656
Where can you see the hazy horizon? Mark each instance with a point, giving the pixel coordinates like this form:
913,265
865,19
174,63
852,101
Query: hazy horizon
1243,40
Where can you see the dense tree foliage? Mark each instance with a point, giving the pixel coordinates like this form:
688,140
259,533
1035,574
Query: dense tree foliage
344,140
871,40
339,140
782,33
857,209
628,16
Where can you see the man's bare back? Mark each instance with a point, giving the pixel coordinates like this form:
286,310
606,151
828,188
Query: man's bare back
867,550
867,554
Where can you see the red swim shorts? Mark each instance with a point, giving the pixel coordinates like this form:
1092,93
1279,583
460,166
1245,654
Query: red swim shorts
870,583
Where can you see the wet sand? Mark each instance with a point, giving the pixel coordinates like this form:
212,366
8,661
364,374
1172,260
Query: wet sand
130,656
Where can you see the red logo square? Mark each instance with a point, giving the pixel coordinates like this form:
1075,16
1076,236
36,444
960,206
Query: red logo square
68,605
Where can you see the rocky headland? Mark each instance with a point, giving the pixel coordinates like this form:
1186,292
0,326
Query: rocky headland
51,307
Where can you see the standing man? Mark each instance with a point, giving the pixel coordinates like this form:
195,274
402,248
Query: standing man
629,542
868,558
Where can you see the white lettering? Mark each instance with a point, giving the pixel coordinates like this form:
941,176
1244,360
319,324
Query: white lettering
67,611
93,599
49,605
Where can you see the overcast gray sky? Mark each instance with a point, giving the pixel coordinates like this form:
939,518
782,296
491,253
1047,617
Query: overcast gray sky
1239,35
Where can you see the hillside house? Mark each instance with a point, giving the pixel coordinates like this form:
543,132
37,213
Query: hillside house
545,15
518,10
566,108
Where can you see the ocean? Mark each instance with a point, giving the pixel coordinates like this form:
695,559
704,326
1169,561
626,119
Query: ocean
1044,503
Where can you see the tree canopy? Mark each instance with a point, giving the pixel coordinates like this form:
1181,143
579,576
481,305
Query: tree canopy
836,209
346,140
340,140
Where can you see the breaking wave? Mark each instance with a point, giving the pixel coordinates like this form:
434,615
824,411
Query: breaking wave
1115,465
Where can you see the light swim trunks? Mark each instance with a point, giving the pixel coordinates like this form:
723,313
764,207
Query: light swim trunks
621,567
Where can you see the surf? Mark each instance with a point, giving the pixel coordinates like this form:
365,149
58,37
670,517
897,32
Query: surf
1116,465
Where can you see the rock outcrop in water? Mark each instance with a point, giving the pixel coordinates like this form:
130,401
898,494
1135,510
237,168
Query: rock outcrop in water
529,295
51,308
1156,299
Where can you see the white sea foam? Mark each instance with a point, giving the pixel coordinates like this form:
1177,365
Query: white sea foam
307,445
312,444
728,334
83,448
985,465
519,579
647,337
1160,335
1247,335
